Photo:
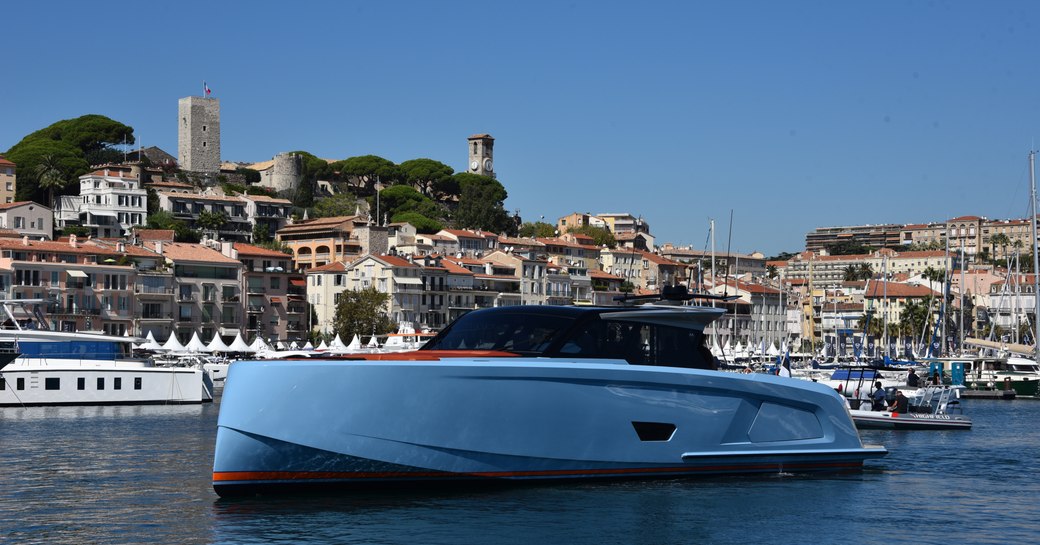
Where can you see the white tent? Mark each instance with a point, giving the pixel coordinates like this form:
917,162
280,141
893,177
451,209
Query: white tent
308,346
355,343
196,344
238,345
149,344
772,350
337,343
322,345
259,344
217,345
373,342
172,344
294,346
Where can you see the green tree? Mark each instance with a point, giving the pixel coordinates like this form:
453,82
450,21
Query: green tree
429,177
482,204
538,229
365,170
50,176
601,236
1001,240
340,204
397,199
421,223
165,220
771,271
362,313
74,143
251,176
212,221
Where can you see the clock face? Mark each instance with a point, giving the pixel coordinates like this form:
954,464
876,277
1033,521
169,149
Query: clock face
487,165
474,165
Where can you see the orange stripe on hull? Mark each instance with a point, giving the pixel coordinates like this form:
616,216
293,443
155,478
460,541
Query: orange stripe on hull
240,476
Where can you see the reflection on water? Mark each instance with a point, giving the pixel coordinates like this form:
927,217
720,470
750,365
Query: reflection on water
142,475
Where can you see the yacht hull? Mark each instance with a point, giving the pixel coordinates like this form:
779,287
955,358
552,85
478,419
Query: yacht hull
83,382
287,425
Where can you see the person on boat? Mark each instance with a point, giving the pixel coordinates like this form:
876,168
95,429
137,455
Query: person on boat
936,379
878,397
912,380
900,404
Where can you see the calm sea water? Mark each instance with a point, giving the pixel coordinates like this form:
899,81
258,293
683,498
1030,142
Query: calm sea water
142,475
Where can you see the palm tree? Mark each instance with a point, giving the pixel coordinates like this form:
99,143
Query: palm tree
50,176
1002,240
865,272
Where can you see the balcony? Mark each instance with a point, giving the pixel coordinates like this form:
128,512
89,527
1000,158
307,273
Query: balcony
156,316
185,319
255,309
149,290
256,289
293,309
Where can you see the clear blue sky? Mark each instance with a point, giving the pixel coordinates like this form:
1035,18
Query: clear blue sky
792,114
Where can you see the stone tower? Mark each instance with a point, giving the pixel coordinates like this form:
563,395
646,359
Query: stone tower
287,171
198,134
481,151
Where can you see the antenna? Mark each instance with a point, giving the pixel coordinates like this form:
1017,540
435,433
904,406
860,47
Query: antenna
729,242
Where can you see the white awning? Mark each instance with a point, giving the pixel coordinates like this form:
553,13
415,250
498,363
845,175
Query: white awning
105,213
408,280
77,274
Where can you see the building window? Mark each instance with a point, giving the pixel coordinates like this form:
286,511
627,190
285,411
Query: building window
52,383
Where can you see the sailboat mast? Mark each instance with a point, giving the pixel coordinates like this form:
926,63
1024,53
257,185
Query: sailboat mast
1036,258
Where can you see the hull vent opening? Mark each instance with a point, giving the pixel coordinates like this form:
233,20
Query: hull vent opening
654,431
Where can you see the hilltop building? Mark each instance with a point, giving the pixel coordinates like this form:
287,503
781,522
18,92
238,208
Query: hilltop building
198,134
8,181
481,155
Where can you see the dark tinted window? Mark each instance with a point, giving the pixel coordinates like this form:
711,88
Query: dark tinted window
81,383
639,344
52,383
525,333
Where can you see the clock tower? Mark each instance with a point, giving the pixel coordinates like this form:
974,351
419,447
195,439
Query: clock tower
481,155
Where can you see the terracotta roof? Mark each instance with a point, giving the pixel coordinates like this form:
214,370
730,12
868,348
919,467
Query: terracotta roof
395,261
454,268
966,218
915,226
109,174
9,205
184,251
319,223
165,235
481,135
265,198
467,234
604,275
64,247
335,266
923,253
249,249
199,197
777,264
4,161
751,288
878,289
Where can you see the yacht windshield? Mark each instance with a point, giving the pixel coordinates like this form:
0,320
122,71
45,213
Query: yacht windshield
522,333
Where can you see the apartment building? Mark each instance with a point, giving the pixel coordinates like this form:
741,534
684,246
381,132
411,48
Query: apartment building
205,283
322,241
27,219
189,207
874,236
8,181
110,203
90,286
274,295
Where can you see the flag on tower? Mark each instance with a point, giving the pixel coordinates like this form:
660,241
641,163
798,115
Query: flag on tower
205,88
